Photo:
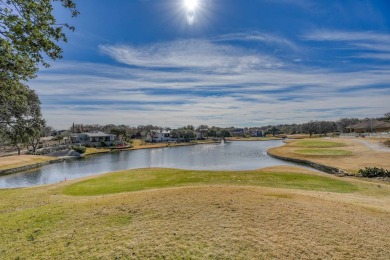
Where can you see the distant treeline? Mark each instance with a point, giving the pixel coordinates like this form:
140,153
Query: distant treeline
311,127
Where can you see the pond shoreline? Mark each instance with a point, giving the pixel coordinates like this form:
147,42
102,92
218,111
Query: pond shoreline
32,166
209,156
318,166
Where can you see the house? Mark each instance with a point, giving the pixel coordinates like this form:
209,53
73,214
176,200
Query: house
370,126
160,136
256,133
94,139
238,132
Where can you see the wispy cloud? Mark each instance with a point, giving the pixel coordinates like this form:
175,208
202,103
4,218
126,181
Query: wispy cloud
256,36
349,36
207,82
190,54
370,45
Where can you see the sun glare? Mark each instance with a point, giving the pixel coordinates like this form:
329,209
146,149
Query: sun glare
191,5
191,8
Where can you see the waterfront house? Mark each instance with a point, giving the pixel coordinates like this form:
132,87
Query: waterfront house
160,136
94,139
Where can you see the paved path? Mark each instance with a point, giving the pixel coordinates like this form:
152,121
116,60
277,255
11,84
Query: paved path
374,146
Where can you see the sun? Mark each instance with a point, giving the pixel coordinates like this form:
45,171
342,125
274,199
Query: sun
191,5
192,8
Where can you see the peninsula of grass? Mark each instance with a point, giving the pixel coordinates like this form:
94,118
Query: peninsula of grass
352,156
324,152
144,179
318,144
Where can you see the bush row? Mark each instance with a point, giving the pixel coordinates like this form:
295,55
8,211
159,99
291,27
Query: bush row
79,149
374,172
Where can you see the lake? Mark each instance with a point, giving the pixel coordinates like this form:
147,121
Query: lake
244,155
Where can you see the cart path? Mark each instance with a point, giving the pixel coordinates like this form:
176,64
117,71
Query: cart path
374,146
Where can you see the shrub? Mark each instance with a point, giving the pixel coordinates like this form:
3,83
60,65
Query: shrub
79,149
374,172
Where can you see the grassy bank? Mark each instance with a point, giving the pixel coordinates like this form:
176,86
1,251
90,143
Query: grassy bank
253,138
15,161
280,212
144,179
347,154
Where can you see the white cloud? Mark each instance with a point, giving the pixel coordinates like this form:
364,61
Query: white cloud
190,54
370,45
199,81
328,35
259,37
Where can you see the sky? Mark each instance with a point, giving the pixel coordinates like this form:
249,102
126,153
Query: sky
219,62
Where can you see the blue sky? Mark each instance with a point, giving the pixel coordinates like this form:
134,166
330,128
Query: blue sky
222,62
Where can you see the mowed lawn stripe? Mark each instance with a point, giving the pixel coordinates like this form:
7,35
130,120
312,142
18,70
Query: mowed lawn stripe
326,152
144,179
318,144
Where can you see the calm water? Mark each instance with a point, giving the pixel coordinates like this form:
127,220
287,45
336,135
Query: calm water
229,156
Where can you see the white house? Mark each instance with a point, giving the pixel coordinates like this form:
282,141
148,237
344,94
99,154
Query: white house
94,139
160,136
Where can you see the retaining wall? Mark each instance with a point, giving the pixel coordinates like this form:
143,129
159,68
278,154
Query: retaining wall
318,166
29,167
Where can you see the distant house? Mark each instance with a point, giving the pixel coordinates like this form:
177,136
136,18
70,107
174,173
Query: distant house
160,136
94,139
238,132
370,126
59,132
257,133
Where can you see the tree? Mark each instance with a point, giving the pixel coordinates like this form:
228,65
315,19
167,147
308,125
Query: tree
34,131
310,128
58,138
28,32
184,133
21,120
223,133
386,117
202,129
213,131
47,131
324,127
273,130
121,133
343,123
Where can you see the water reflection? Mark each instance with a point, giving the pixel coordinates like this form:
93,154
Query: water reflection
228,156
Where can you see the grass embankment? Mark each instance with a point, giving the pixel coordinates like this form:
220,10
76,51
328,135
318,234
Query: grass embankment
253,138
350,155
143,179
15,161
264,214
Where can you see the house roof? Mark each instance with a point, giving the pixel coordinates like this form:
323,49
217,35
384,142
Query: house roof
370,124
95,134
161,132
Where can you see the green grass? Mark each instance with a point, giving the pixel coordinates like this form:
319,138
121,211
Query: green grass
144,179
326,152
318,144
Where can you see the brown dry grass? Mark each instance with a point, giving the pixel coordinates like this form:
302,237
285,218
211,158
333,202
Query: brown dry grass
14,161
217,221
362,156
223,221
